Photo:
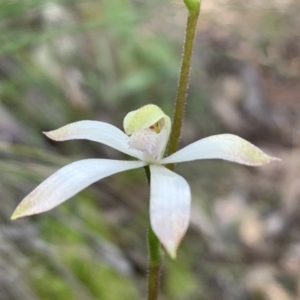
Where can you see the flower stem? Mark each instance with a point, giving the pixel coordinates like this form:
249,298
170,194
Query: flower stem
154,265
154,259
194,10
155,253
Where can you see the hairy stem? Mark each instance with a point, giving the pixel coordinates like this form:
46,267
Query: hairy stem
154,265
155,253
194,10
154,259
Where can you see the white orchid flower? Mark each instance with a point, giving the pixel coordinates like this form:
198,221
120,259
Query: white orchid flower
147,131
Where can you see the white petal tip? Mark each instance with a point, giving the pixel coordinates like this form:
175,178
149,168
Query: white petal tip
173,256
24,209
50,135
47,134
275,159
172,252
265,161
16,215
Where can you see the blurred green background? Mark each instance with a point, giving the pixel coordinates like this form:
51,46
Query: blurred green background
68,60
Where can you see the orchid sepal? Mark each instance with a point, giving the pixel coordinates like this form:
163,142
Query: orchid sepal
68,181
170,201
223,146
96,131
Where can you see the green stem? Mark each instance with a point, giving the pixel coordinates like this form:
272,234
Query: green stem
194,10
154,259
154,265
155,253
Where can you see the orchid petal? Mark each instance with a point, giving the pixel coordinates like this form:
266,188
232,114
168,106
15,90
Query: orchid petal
223,146
95,131
68,181
170,200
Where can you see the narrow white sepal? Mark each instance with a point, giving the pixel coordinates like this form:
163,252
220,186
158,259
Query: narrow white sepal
68,181
170,200
223,146
95,131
